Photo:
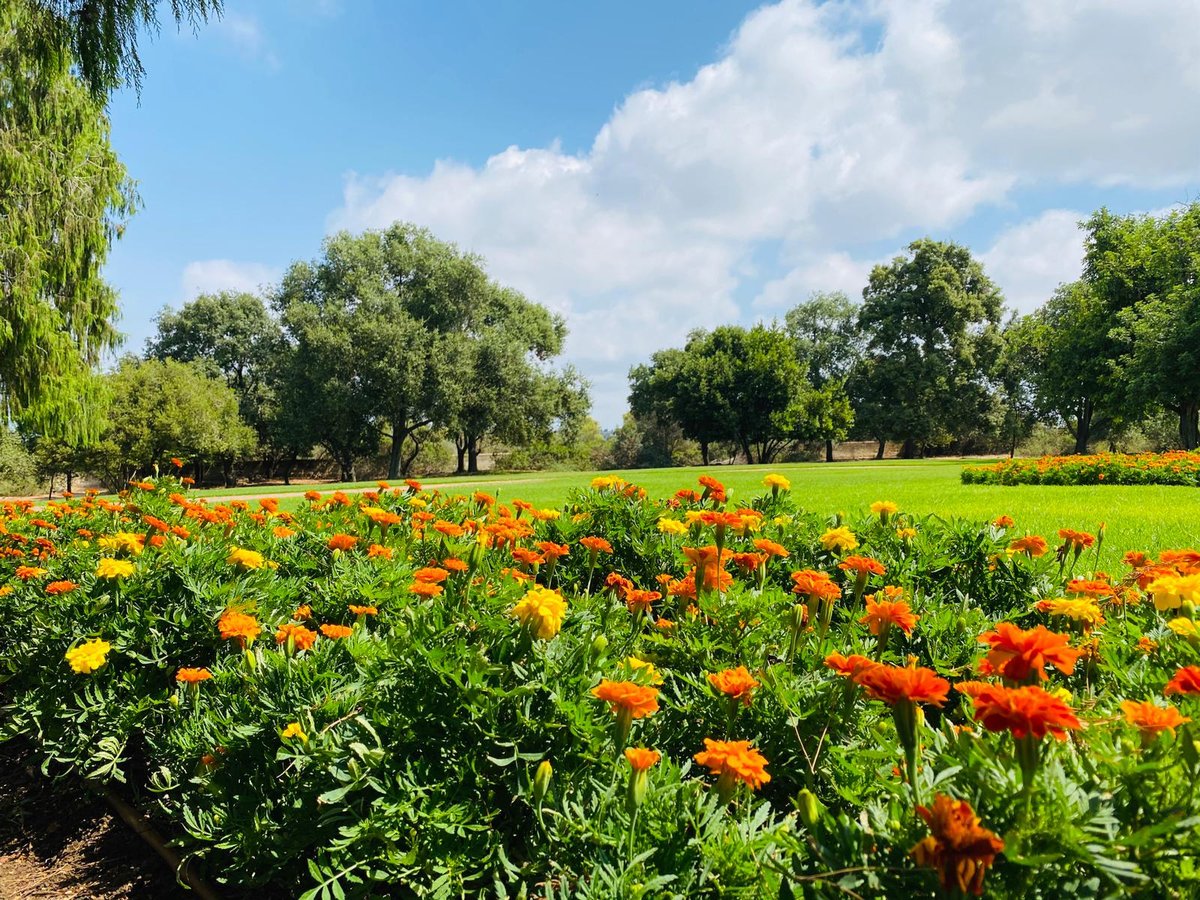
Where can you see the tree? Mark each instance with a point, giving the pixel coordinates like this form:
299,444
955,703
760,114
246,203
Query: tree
734,383
828,345
237,337
930,324
102,36
164,408
65,197
1065,350
1156,272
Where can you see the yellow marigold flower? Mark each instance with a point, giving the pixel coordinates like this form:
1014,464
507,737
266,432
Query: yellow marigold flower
1083,610
417,503
672,526
906,534
293,730
840,539
782,521
541,611
645,669
123,541
245,559
114,568
1172,591
1184,627
884,507
777,483
88,657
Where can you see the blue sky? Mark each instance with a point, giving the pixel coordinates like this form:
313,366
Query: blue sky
647,168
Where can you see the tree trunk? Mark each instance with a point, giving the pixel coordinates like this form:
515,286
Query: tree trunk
70,481
746,450
908,449
398,434
1083,427
288,463
1189,425
828,450
704,452
472,455
227,471
460,447
882,447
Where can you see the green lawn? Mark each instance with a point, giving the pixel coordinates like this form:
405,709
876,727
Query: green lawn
1141,518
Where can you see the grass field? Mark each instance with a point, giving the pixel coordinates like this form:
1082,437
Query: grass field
1137,518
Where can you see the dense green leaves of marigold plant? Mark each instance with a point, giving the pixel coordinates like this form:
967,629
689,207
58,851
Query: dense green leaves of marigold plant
406,693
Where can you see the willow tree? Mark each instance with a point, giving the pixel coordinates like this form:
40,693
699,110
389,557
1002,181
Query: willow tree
65,196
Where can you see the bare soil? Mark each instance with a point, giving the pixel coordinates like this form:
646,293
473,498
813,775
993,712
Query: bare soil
60,841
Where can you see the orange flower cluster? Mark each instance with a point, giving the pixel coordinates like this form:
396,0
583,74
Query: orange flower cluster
814,584
734,761
737,684
1022,711
884,614
958,847
627,697
893,684
237,625
1020,655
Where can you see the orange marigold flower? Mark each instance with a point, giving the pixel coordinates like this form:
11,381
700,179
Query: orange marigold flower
882,614
363,610
748,562
192,676
734,761
378,551
891,684
737,684
771,548
553,551
628,697
304,611
342,542
862,565
596,545
1185,681
713,488
527,557
640,601
1018,655
27,572
425,589
236,625
1077,539
1135,559
302,638
60,587
642,759
812,583
1022,710
1003,522
454,564
282,531
848,666
449,529
1033,544
1152,720
337,631
619,584
432,574
959,848
1092,588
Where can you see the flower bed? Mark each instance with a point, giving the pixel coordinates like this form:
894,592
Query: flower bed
1176,467
406,693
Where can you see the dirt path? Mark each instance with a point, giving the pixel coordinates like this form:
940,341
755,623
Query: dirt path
65,843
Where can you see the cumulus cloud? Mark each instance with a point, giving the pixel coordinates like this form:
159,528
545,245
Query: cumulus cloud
209,276
823,132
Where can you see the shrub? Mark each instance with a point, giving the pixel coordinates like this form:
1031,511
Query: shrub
435,708
1176,467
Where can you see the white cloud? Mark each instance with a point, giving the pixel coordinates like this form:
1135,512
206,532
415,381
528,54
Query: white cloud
245,33
1029,260
210,276
821,130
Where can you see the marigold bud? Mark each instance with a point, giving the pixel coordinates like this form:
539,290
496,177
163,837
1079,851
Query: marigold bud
541,780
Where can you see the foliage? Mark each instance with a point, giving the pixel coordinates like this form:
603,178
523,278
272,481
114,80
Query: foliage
66,196
1179,467
102,36
392,332
930,327
405,758
162,409
742,385
18,473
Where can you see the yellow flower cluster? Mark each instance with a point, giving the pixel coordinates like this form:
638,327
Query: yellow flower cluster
88,657
541,611
840,539
114,568
123,542
1172,591
245,559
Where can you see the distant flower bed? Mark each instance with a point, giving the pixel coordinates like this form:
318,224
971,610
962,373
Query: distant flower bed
1175,467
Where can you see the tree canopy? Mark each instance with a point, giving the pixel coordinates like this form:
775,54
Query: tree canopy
66,197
